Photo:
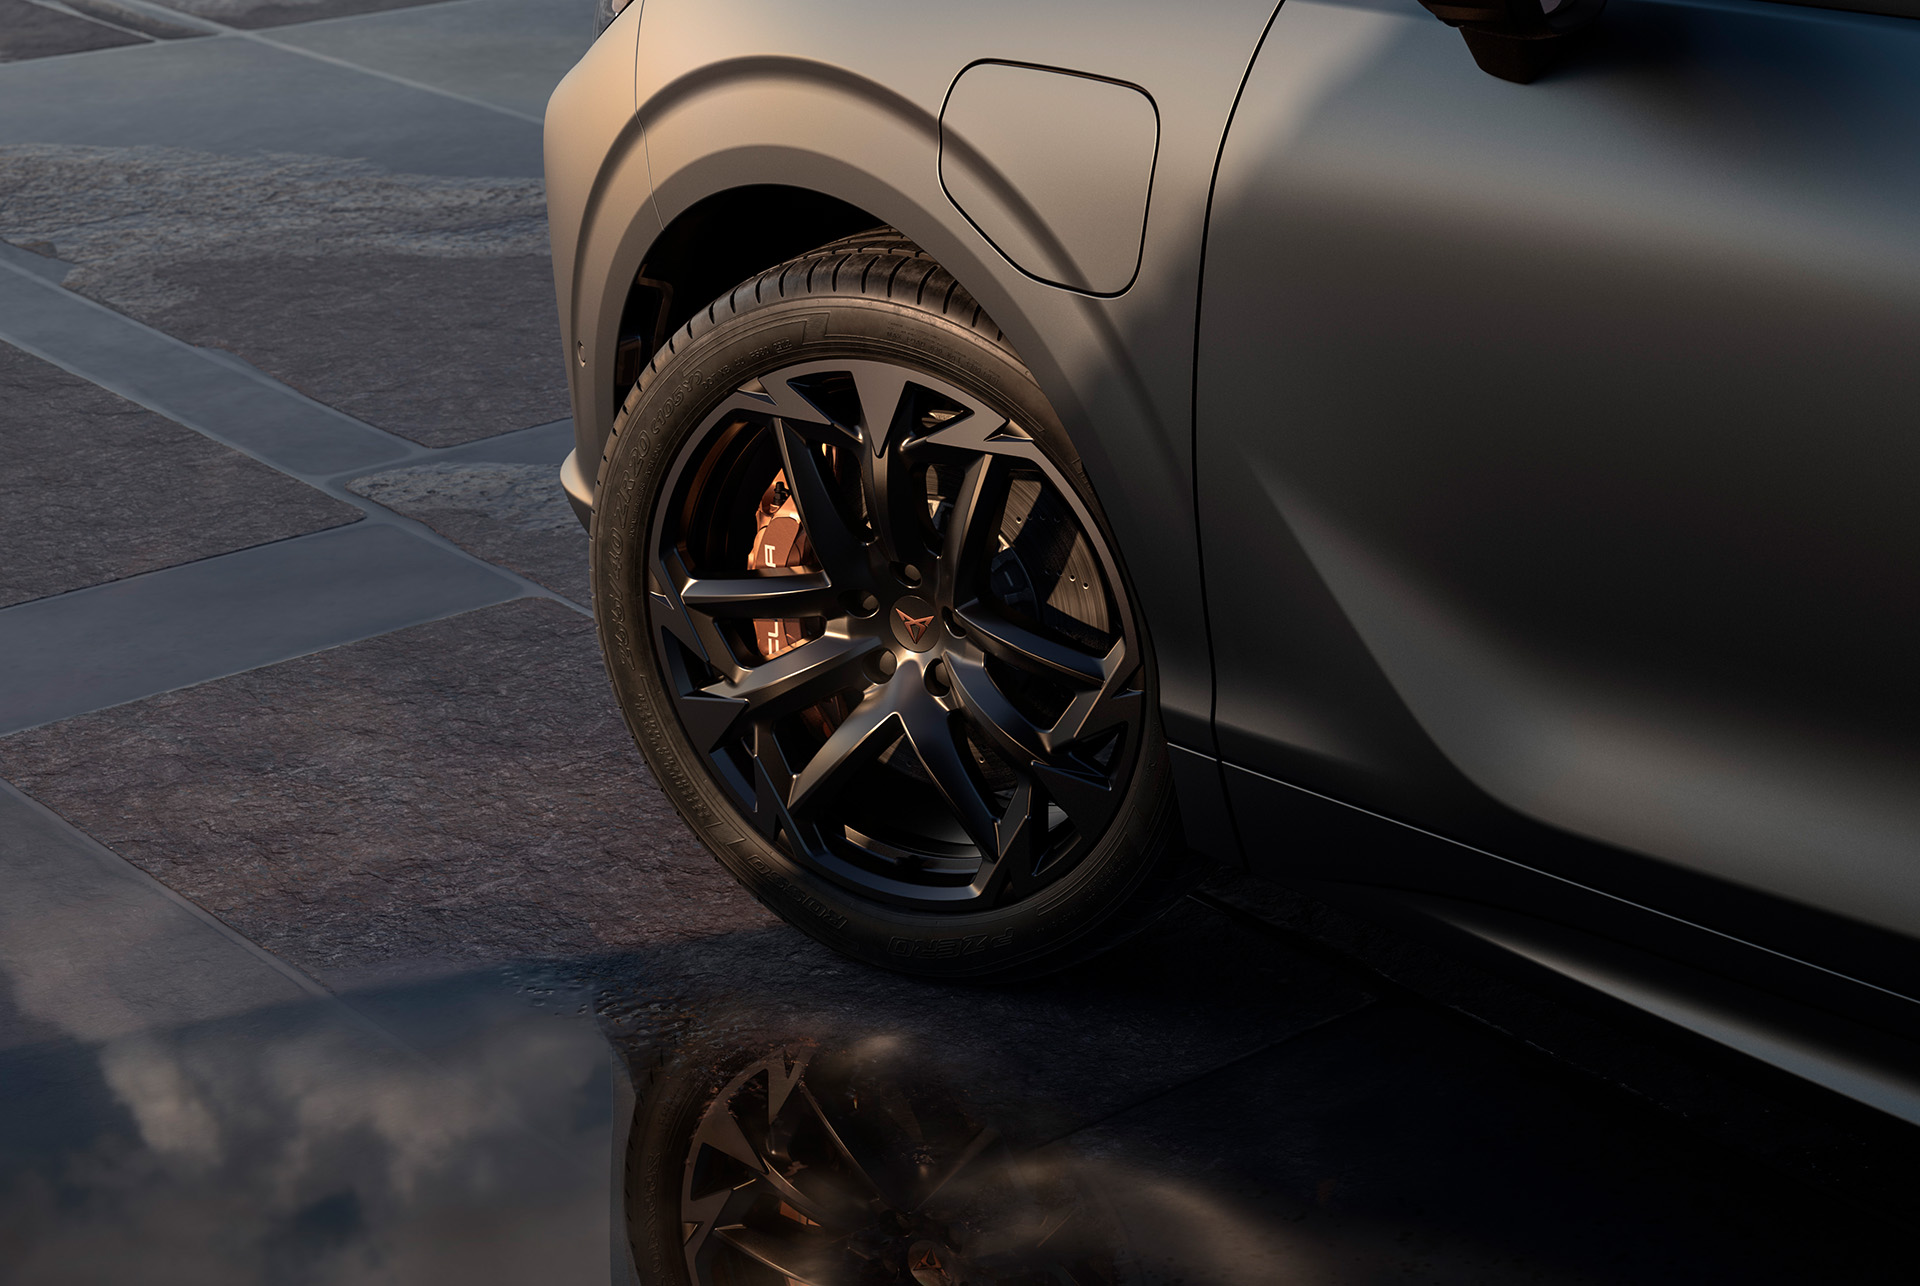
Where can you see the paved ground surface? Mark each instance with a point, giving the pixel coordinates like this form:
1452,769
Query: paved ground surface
331,871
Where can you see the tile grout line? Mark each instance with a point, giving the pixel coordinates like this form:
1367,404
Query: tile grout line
236,370
221,29
1155,1096
338,1004
299,977
331,484
41,604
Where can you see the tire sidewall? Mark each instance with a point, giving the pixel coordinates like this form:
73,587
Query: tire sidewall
661,415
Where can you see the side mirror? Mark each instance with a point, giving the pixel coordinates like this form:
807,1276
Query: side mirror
1517,40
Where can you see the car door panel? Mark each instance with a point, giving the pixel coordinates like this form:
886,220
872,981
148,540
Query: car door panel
1558,446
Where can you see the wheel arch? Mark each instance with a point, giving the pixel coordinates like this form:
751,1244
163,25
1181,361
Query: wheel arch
828,135
713,245
746,161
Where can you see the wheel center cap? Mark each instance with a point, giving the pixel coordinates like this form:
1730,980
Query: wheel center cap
914,623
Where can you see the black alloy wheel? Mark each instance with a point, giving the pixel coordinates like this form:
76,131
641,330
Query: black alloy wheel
967,652
867,623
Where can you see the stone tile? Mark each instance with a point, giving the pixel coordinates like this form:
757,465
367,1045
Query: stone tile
29,30
419,304
144,21
1405,1144
507,52
183,1107
465,791
1777,1121
1192,992
256,14
245,98
94,489
297,1144
511,514
462,790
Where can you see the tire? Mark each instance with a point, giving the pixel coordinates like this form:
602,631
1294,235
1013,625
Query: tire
848,732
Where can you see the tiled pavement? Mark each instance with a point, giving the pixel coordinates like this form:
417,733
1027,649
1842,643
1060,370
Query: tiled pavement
313,770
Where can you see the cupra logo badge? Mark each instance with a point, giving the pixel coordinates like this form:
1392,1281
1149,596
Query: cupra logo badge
916,625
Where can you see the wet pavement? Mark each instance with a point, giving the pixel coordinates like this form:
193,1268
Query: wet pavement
346,938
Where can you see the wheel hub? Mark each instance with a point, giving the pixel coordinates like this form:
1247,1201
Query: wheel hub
915,624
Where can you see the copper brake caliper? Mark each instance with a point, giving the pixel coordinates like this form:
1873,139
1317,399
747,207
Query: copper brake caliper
778,541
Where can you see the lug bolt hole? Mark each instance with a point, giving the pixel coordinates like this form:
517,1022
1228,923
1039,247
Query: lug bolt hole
939,681
952,622
881,665
862,604
908,573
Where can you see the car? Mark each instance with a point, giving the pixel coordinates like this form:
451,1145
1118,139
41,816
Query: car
1459,462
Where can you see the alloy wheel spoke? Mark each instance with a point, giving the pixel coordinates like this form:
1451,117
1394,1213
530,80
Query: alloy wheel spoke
694,630
861,738
882,390
971,521
854,1164
762,595
1028,649
1022,834
965,1157
936,739
797,679
1113,704
987,708
982,433
835,547
897,503
804,1255
772,783
1087,797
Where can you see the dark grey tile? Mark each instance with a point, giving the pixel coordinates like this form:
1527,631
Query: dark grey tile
462,790
298,1144
95,489
92,950
515,515
507,52
1404,1144
421,305
441,350
466,791
203,389
144,21
184,1107
1189,994
258,14
240,97
29,30
108,644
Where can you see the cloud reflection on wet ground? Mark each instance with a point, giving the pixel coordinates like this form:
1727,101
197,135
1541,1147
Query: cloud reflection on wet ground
310,1143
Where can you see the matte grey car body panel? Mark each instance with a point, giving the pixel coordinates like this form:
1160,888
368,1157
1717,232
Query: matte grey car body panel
844,98
1053,168
1552,443
1569,432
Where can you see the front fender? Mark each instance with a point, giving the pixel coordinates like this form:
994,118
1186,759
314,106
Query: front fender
843,98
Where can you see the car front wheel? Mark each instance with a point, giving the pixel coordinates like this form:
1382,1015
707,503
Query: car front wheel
868,626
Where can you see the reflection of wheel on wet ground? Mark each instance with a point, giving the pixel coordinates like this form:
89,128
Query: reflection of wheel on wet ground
799,1167
867,624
